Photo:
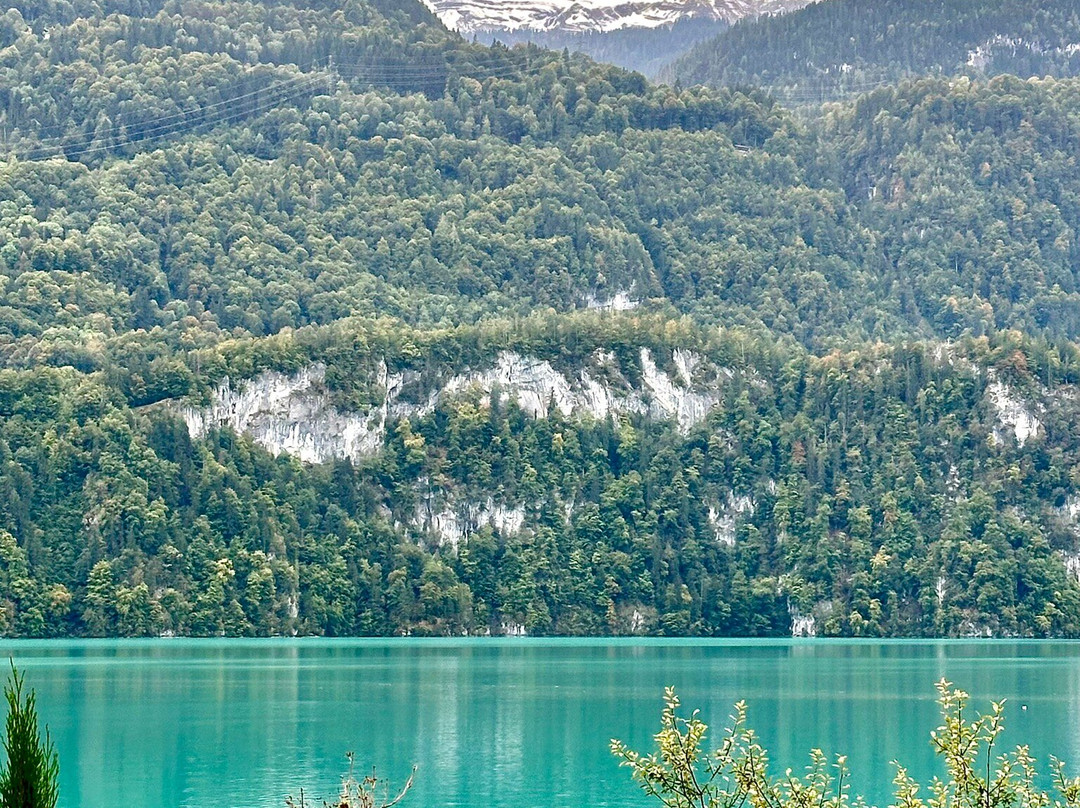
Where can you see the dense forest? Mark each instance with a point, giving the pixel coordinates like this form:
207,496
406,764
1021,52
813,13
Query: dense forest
646,50
881,303
840,48
880,492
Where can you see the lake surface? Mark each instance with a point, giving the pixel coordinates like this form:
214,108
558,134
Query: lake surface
501,724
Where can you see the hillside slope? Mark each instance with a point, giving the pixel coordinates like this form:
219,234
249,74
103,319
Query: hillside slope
837,48
573,476
315,319
646,50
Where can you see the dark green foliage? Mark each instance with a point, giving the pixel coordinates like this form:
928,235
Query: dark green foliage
646,50
496,181
971,187
375,217
851,486
30,779
840,48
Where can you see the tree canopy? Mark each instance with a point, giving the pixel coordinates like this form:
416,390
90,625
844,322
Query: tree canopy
194,190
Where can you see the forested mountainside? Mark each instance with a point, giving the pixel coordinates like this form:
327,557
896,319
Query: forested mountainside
647,50
916,490
295,337
838,48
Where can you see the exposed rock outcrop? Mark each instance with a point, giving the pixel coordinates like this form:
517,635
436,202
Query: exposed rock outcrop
1013,414
1072,565
295,414
453,522
290,414
725,517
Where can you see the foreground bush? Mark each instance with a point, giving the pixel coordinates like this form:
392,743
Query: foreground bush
681,775
355,793
30,778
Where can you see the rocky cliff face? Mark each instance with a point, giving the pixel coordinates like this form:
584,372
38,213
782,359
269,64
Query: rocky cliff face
294,414
1072,565
453,522
725,518
290,414
1014,415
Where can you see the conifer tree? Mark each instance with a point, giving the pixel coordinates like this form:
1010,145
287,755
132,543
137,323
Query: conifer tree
30,778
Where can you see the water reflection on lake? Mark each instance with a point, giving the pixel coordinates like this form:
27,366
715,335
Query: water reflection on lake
501,723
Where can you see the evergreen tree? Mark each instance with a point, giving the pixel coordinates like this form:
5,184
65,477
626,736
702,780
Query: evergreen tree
31,777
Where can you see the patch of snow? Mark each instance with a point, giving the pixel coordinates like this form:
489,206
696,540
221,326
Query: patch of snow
474,16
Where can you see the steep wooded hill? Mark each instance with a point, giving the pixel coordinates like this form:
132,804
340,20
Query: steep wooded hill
313,319
839,48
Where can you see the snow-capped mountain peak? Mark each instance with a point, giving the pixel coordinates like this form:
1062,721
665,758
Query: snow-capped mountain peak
473,16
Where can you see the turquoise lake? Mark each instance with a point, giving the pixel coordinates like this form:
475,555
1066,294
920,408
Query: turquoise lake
502,724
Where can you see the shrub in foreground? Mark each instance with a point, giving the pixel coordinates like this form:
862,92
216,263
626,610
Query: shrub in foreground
681,775
30,778
362,793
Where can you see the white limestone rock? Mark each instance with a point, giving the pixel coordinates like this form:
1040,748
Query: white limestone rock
453,523
802,625
1072,565
534,384
290,414
724,518
1013,415
1071,510
294,413
620,301
668,399
537,387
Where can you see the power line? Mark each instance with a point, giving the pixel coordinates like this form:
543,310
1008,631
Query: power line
825,93
178,127
272,96
163,124
220,103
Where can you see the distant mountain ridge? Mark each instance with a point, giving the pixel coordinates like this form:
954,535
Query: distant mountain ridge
838,48
582,16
